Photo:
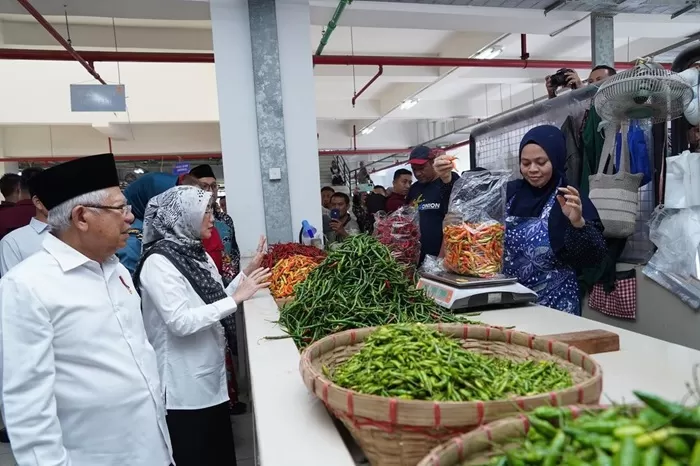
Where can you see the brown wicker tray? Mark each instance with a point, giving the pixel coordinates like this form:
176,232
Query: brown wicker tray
395,432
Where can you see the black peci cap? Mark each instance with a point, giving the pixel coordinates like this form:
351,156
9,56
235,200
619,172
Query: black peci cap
68,180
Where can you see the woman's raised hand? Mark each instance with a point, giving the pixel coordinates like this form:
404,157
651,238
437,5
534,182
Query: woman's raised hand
570,201
259,255
251,284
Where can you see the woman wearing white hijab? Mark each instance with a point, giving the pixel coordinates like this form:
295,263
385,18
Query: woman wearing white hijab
183,300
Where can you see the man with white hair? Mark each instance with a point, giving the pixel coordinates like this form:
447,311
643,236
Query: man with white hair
80,381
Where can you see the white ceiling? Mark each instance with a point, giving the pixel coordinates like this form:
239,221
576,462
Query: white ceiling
374,28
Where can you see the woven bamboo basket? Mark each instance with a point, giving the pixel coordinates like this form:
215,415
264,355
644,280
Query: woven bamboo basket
395,432
476,446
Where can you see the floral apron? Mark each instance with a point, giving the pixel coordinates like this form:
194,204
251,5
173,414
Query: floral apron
529,258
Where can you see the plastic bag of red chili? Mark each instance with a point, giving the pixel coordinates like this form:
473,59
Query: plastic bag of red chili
399,231
474,226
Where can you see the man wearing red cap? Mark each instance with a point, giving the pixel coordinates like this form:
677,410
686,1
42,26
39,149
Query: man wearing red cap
431,194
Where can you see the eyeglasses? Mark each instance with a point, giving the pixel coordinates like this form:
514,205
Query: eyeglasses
211,187
124,209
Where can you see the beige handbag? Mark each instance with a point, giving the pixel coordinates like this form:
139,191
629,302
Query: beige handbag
615,196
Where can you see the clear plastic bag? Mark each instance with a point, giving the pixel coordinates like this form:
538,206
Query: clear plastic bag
676,234
432,264
400,232
474,227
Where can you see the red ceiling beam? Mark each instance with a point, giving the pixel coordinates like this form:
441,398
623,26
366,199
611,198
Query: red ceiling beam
358,60
59,38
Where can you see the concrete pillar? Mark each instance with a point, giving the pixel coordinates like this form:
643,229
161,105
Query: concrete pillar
602,40
267,117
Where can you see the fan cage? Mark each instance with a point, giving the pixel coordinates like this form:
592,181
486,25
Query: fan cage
643,93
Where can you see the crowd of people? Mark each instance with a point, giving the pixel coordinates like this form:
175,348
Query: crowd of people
116,317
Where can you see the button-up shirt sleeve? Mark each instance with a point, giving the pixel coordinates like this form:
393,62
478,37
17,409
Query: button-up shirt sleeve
235,283
28,374
9,254
167,288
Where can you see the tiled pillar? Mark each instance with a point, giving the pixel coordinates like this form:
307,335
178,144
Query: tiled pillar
602,40
267,117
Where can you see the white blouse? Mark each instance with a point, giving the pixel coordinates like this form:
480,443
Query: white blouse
80,381
186,334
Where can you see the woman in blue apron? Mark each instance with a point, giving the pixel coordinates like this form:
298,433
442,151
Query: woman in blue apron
551,230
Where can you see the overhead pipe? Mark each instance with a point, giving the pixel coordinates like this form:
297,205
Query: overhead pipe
380,71
372,60
198,57
332,24
59,38
191,156
524,55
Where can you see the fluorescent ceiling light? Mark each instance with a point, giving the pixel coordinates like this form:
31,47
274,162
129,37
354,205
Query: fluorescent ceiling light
406,104
489,53
367,130
138,171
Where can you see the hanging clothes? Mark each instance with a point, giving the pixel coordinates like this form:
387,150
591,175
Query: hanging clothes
592,148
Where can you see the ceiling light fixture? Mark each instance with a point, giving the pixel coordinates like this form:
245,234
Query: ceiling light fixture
138,171
367,130
489,53
406,104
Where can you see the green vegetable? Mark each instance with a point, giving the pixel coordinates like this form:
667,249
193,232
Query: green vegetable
555,449
695,455
679,415
676,447
412,361
652,456
359,284
628,455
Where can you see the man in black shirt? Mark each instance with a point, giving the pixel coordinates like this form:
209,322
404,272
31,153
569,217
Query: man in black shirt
431,194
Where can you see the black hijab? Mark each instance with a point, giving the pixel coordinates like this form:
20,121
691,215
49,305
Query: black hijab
528,201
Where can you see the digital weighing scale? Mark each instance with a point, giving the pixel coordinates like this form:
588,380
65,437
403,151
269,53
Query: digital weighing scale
459,293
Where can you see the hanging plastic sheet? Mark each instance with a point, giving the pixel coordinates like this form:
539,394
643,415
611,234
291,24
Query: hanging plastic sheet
676,263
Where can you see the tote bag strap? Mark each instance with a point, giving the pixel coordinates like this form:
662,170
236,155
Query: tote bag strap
625,152
608,151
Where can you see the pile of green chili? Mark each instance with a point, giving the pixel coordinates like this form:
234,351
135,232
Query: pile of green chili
662,433
415,362
359,284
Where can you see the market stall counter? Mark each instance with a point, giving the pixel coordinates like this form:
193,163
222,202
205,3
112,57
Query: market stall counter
293,428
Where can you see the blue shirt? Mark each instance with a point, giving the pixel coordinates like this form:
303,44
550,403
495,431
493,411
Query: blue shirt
431,200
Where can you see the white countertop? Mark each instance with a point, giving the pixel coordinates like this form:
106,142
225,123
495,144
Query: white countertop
292,426
642,363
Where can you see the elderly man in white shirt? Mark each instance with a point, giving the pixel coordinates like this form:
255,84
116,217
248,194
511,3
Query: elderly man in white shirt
80,382
25,241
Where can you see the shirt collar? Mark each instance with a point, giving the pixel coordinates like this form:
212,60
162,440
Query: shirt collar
38,225
69,259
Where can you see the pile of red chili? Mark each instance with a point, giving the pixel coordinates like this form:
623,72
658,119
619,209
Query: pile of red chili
400,233
280,251
474,249
289,272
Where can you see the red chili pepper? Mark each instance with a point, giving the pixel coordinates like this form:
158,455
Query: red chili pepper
280,251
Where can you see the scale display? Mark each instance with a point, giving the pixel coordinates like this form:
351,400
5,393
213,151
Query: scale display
466,294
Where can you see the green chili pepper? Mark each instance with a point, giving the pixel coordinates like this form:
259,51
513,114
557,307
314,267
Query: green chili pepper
555,450
652,456
668,461
416,362
628,455
678,414
676,447
543,428
349,290
695,455
603,458
652,419
628,431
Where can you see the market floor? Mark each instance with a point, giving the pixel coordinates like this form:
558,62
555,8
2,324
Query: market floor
242,436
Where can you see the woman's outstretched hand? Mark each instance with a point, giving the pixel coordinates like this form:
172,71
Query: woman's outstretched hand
258,258
570,201
251,284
